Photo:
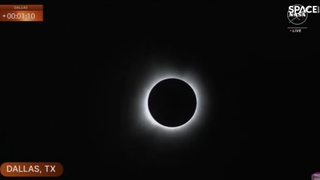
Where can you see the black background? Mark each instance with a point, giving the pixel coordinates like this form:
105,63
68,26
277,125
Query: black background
55,95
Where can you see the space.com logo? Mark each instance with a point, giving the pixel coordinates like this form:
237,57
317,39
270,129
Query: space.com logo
298,14
315,176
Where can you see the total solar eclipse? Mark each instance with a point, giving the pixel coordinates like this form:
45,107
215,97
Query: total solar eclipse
172,102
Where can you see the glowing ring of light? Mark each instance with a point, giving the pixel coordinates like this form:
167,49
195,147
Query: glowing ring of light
192,80
195,111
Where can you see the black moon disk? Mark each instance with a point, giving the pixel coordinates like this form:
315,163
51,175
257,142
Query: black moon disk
172,102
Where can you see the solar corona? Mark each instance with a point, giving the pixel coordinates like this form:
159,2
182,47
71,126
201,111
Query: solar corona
191,80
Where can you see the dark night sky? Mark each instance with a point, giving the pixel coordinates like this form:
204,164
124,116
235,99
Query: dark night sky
65,104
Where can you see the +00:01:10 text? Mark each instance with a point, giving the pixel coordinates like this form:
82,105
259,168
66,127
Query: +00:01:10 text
19,16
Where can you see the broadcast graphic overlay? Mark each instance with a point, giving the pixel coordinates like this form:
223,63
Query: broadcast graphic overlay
315,176
298,14
31,169
21,13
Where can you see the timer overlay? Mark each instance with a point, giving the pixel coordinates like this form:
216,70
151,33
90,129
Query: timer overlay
21,12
